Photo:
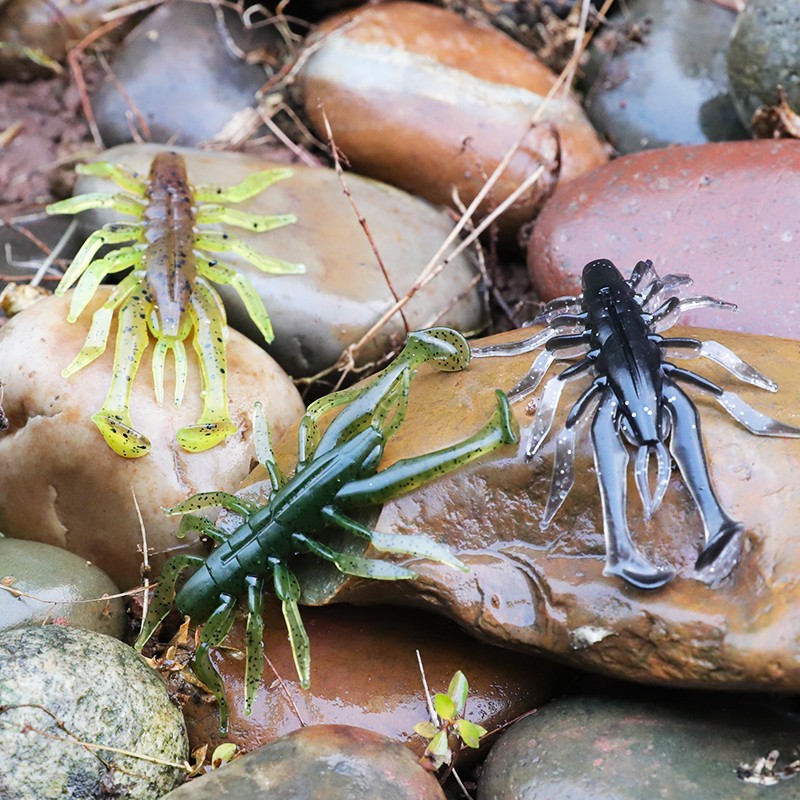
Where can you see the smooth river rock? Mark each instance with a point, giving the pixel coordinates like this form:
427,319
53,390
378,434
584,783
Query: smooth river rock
343,292
180,75
670,86
58,585
421,98
763,54
63,485
103,693
544,591
364,672
321,762
725,213
617,749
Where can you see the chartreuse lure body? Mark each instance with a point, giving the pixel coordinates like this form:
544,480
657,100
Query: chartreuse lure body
169,293
336,471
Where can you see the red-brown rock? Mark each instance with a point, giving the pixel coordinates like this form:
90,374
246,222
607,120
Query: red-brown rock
421,98
364,672
724,213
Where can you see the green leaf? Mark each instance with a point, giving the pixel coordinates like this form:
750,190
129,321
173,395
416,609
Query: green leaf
426,729
224,753
445,707
438,751
469,732
457,691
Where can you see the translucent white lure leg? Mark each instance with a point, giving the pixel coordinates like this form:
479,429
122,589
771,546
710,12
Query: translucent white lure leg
534,376
516,348
545,413
756,422
642,475
667,315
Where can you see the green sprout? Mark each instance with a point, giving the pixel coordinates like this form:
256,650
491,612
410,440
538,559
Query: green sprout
449,709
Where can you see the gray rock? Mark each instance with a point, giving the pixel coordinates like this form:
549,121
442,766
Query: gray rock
56,582
623,750
316,315
764,53
671,88
104,694
178,72
320,762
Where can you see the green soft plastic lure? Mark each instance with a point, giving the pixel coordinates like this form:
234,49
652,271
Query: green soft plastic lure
168,294
335,471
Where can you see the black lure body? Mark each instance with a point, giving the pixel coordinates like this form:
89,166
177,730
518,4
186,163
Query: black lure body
635,399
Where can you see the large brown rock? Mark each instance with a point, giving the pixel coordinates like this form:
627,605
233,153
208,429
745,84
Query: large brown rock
421,98
321,762
364,672
63,485
544,591
724,213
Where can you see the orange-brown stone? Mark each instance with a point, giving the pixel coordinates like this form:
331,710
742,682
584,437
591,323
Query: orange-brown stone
544,591
364,672
421,98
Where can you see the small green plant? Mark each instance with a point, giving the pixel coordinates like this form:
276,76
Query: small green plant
451,725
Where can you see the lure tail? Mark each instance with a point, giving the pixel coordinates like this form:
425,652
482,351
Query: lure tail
650,502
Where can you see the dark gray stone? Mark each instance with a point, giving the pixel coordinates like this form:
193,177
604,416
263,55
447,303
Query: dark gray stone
590,747
178,72
670,89
764,53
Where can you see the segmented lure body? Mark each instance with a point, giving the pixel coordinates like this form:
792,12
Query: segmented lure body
169,293
614,328
335,471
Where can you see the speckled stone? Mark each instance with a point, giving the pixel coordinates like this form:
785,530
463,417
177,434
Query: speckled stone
62,582
343,292
671,87
613,749
320,762
104,693
764,53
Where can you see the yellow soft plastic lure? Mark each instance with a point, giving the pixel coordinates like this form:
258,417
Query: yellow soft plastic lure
168,294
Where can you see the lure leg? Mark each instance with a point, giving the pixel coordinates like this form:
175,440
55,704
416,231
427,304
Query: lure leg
214,242
83,202
164,594
667,315
254,647
211,635
95,344
408,473
354,565
197,502
124,178
516,348
722,534
257,223
113,233
215,423
263,445
252,185
545,413
219,273
611,462
189,522
114,419
288,591
414,545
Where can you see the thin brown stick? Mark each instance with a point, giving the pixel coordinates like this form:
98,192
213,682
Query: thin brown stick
143,126
298,151
20,593
360,216
39,243
285,690
145,568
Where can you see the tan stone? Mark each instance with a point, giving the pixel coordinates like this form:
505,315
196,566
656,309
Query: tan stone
421,98
543,591
63,485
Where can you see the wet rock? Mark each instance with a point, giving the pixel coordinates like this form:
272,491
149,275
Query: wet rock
63,485
601,747
364,672
51,28
321,762
723,213
343,292
56,584
544,591
181,76
763,54
670,86
104,694
422,99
